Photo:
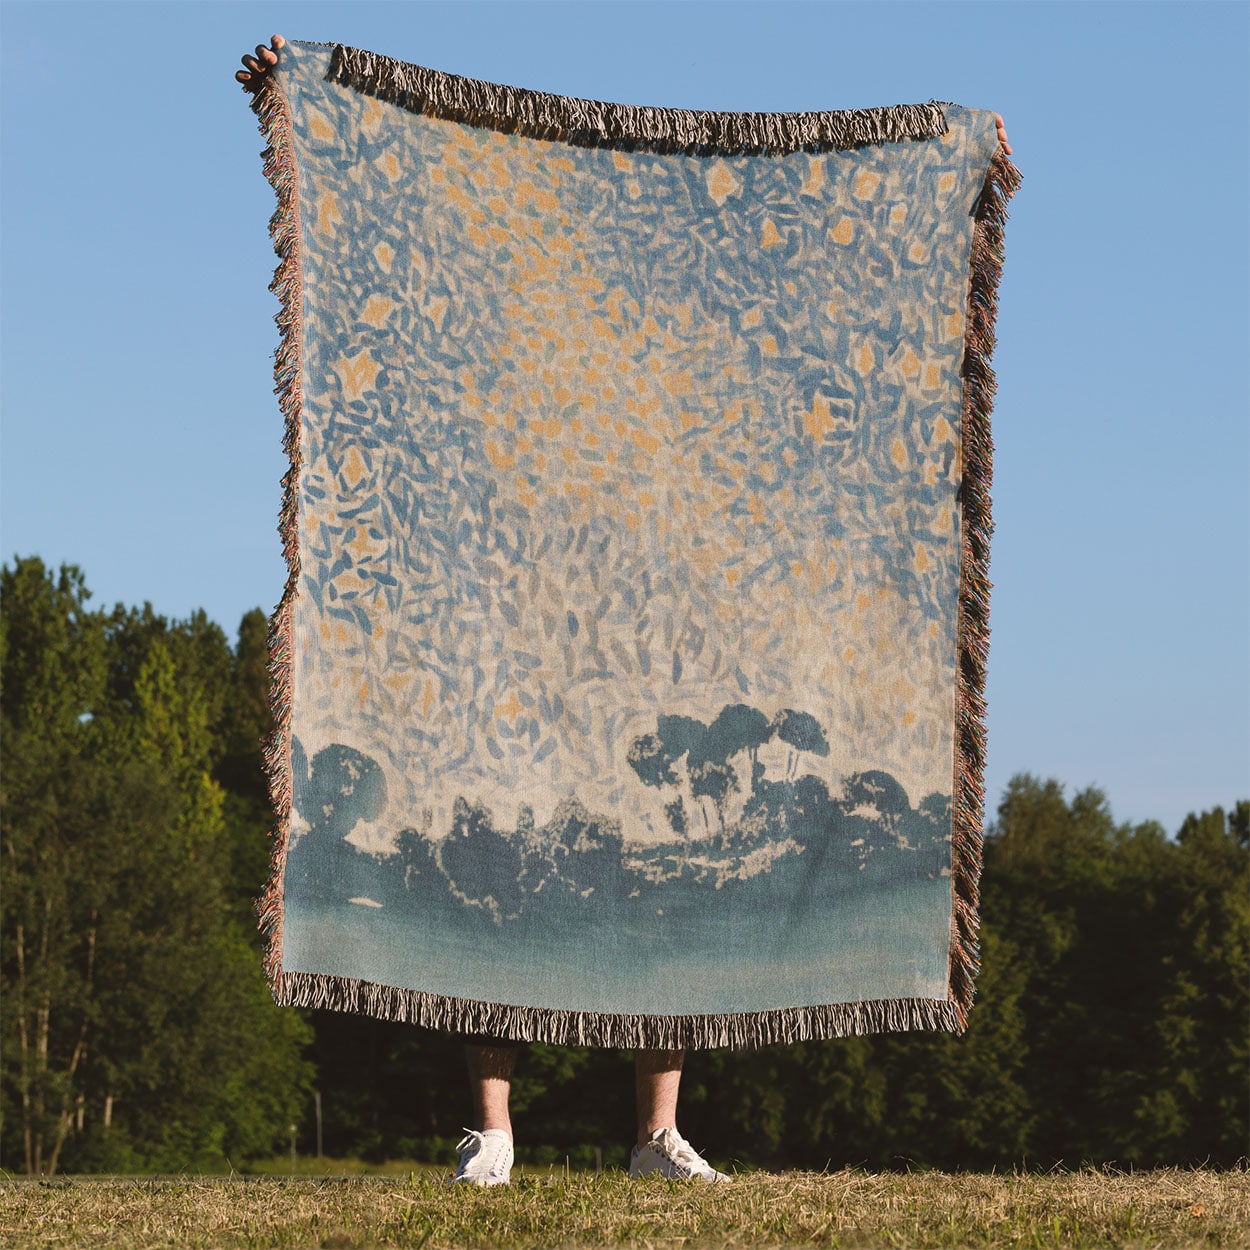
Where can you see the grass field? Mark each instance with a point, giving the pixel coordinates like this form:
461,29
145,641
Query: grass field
1166,1208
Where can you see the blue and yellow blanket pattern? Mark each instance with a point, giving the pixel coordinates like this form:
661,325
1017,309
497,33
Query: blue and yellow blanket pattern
618,676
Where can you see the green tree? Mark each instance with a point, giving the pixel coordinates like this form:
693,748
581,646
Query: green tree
247,723
1109,1026
139,1030
1199,1110
52,675
1136,1001
1109,1023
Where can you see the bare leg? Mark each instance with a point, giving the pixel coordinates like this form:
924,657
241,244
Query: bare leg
657,1078
490,1078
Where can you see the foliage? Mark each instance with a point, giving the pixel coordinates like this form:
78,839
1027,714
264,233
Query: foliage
1110,1023
1109,1026
1137,987
138,1030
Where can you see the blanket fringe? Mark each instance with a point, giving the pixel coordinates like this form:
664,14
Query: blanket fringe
589,1028
967,837
271,109
592,123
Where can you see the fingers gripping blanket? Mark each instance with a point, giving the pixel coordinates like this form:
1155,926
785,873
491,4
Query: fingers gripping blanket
628,676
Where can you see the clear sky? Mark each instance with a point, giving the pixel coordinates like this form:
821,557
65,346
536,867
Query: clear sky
141,435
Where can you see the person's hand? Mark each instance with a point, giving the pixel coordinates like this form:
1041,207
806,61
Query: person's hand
260,64
998,117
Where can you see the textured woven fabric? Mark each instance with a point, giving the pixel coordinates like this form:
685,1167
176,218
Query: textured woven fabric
619,674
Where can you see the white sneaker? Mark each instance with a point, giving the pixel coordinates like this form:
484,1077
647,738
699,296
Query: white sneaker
668,1153
485,1158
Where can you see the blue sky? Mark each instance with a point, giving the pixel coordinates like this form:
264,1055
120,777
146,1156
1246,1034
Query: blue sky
141,437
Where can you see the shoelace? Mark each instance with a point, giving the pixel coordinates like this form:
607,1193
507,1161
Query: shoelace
683,1153
491,1160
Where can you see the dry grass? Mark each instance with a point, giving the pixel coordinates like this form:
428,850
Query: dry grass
1167,1207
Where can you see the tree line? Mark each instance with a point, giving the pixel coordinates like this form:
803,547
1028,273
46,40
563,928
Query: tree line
137,1033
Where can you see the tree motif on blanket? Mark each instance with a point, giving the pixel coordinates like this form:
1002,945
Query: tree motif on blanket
743,817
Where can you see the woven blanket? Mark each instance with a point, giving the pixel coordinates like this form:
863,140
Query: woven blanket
628,676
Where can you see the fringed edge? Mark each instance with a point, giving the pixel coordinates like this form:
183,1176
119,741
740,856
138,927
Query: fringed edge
592,123
589,1028
270,105
967,837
